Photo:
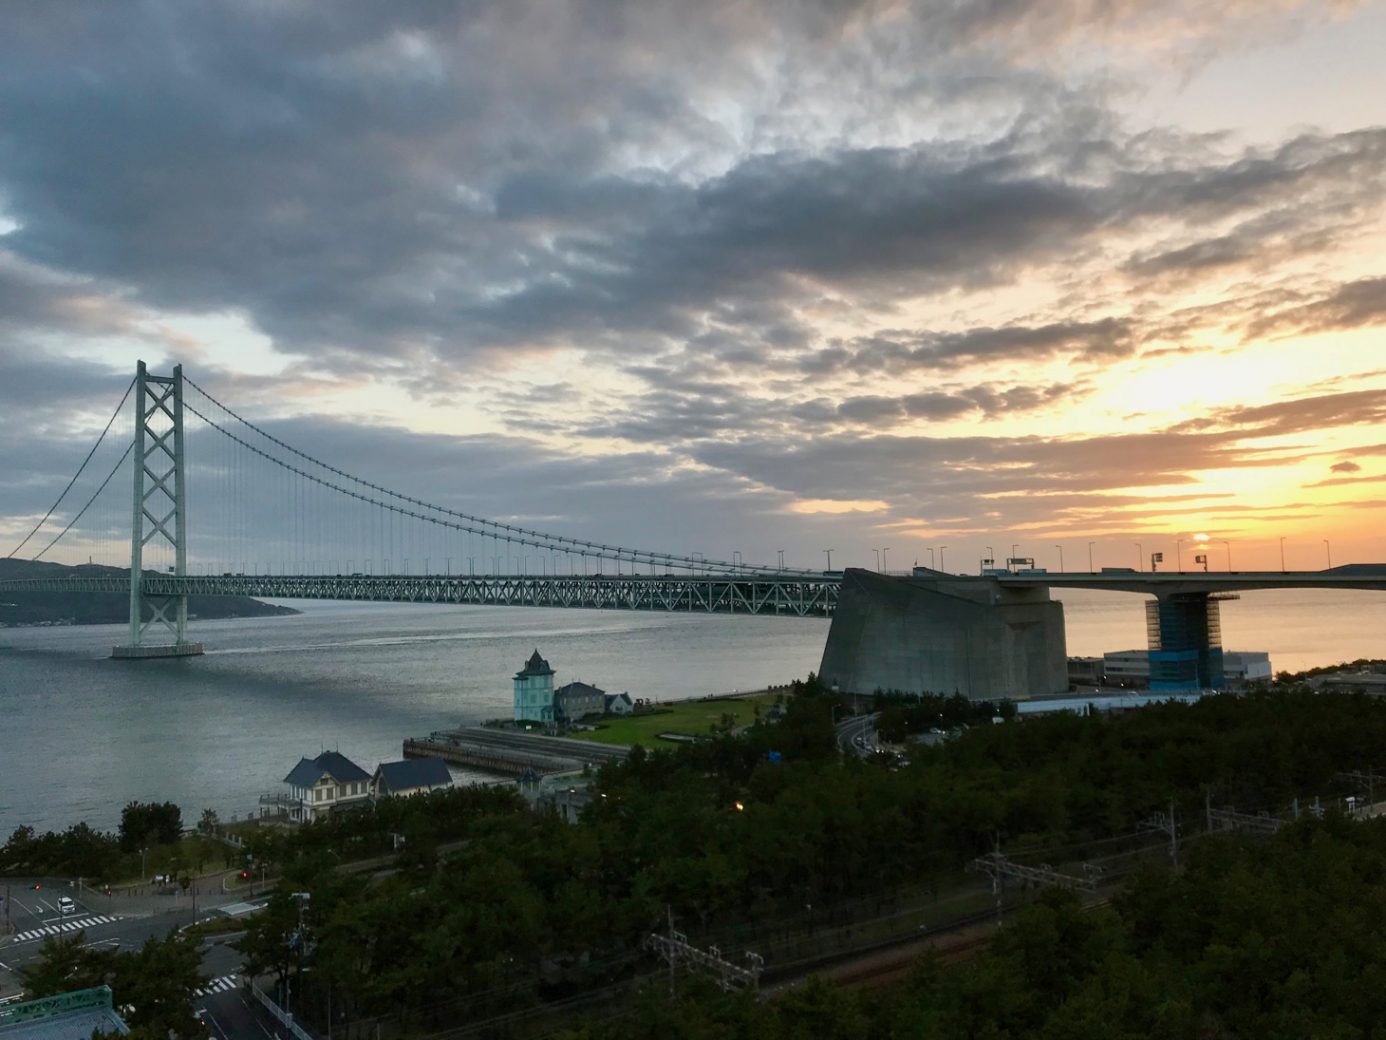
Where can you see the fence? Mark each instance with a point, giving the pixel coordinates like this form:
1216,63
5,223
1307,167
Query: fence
280,1015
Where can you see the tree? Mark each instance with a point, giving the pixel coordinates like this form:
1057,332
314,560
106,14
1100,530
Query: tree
146,823
209,821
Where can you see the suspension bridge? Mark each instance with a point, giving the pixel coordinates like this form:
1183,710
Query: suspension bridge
274,521
183,495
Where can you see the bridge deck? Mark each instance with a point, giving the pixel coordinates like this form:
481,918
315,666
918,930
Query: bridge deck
785,596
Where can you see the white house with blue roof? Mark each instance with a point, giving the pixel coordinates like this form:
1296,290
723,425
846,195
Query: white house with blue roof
321,785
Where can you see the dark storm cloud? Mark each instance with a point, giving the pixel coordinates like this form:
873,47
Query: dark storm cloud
404,193
390,180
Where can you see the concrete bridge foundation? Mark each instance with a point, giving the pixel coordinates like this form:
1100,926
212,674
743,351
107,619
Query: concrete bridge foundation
943,633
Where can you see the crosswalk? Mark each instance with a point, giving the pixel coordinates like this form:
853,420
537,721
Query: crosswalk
220,985
59,927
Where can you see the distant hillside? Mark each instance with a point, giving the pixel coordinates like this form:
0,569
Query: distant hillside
103,608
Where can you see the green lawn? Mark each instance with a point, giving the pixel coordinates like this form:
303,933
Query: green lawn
691,717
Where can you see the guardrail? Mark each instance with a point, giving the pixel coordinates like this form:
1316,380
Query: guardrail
281,1016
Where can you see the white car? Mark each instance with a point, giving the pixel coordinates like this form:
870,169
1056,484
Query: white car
66,906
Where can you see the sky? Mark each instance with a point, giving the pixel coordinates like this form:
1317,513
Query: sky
946,279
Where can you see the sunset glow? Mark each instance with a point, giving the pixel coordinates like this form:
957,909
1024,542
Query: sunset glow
719,279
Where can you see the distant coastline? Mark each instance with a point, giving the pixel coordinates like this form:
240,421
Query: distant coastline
60,609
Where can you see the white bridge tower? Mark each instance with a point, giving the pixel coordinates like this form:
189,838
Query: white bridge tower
160,511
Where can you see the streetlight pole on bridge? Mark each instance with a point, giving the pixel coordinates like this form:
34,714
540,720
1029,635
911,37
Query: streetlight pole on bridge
829,554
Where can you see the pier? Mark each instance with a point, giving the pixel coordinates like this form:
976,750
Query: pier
510,753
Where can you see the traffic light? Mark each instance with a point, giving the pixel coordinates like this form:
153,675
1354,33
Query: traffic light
37,886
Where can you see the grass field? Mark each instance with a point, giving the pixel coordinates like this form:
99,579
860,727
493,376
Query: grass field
694,718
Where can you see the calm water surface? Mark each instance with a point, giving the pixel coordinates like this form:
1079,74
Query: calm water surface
81,735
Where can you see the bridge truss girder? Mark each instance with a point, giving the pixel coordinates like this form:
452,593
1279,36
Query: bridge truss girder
771,596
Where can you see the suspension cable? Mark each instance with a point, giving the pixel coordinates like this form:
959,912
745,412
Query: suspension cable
114,416
119,462
544,540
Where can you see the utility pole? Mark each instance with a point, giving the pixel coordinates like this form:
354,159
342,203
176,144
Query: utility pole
997,867
677,950
1231,820
1367,779
1166,823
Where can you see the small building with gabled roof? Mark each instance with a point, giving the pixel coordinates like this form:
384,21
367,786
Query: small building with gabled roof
576,699
618,704
409,777
534,691
320,785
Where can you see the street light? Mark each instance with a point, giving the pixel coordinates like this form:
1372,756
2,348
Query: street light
878,560
940,556
1091,568
829,554
1179,553
1061,557
884,565
1329,550
931,557
1282,554
1140,556
1228,546
780,551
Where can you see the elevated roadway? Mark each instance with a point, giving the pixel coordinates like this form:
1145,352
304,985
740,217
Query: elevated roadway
787,595
1369,576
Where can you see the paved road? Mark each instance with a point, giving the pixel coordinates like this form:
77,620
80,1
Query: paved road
857,735
35,917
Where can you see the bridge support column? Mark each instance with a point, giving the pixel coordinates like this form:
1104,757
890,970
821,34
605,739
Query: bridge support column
1185,635
159,499
945,634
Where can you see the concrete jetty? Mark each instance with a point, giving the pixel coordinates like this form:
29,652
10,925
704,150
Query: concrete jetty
510,753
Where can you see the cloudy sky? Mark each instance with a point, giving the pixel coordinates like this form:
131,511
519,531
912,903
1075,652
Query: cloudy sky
728,276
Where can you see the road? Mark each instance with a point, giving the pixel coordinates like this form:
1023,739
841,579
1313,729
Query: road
35,917
856,735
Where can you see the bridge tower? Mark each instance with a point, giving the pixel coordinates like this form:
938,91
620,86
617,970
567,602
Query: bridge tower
159,511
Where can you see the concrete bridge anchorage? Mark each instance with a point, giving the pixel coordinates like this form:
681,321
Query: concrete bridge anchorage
1002,636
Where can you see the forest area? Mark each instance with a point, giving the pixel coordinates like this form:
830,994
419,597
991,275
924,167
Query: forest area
495,907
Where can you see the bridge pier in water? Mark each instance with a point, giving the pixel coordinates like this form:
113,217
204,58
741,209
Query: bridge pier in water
942,633
1185,639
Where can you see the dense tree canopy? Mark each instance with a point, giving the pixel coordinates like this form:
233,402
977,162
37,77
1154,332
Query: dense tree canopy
750,832
1255,938
152,987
